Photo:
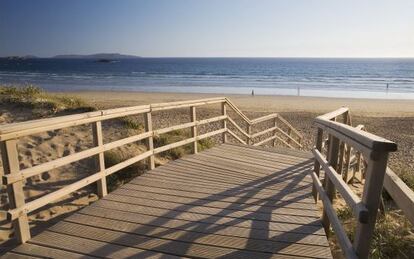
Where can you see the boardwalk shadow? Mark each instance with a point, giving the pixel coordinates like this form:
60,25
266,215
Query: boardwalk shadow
257,216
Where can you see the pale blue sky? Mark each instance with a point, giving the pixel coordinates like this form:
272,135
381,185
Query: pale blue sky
214,28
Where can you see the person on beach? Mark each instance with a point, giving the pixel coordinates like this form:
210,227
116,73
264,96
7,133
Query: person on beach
252,92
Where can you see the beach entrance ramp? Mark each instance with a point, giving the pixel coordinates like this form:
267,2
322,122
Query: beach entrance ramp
233,200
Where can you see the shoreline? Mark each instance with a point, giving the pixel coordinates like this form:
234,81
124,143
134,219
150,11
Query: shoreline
258,103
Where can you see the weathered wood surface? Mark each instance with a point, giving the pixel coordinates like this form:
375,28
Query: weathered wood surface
230,201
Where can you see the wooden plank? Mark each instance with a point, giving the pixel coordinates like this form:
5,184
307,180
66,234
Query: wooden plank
234,167
238,127
272,138
93,247
44,251
264,118
17,130
194,128
336,223
285,122
185,104
15,213
209,175
224,113
258,154
226,220
258,134
99,159
289,137
150,140
334,114
374,180
235,160
206,207
213,202
187,141
211,196
222,179
357,138
316,165
282,188
358,209
10,159
329,186
400,193
279,150
158,245
128,162
148,221
249,132
13,255
236,137
189,124
237,110
236,198
197,237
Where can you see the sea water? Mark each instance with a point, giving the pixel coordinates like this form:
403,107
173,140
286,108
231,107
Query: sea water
325,77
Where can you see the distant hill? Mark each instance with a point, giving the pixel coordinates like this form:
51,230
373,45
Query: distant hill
19,57
99,56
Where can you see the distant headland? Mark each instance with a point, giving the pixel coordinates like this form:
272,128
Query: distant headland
97,56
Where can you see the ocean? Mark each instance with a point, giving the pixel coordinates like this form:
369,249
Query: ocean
333,77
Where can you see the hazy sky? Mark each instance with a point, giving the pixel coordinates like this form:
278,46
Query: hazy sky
214,28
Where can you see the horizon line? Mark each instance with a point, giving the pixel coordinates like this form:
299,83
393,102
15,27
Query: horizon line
287,57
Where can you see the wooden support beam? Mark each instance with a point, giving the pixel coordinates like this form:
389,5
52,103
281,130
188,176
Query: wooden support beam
374,180
194,128
224,112
274,132
249,132
150,140
10,159
329,186
316,165
99,159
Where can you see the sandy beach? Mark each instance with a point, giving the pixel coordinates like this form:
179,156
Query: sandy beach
259,103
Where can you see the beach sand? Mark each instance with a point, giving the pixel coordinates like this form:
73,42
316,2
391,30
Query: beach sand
264,103
392,119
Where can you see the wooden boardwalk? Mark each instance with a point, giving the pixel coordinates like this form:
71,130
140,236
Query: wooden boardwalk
230,201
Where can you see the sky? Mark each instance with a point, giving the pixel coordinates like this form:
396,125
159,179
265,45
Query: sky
214,28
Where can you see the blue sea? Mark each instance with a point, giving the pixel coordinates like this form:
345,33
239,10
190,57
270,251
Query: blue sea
354,78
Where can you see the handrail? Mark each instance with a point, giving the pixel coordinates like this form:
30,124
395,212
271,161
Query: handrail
375,150
274,116
402,195
14,176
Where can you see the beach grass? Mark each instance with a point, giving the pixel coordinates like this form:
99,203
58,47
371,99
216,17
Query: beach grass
40,101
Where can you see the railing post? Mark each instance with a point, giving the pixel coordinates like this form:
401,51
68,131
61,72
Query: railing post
194,128
275,131
224,112
345,117
150,140
249,131
289,132
317,166
99,158
374,179
329,186
15,192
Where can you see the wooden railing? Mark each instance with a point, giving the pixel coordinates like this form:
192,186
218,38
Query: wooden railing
14,176
372,151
